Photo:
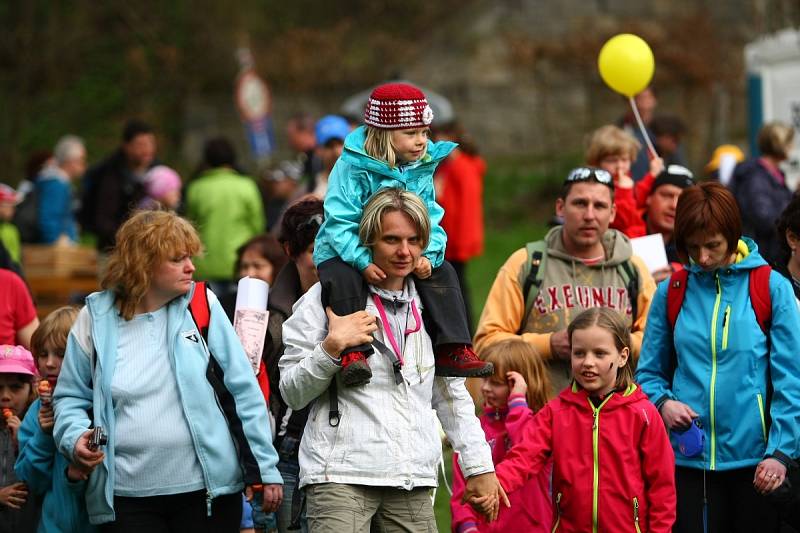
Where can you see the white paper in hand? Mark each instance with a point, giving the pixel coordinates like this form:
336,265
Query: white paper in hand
651,249
250,318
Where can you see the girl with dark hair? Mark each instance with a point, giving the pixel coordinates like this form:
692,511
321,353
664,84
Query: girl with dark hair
788,226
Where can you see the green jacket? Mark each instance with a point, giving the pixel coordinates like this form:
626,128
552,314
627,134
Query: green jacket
227,211
9,236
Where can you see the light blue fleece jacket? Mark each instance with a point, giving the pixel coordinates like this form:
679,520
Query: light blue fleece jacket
234,447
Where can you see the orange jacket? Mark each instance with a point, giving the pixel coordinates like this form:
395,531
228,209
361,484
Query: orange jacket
462,200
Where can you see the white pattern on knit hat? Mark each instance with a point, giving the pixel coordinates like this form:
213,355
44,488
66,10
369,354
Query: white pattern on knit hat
397,105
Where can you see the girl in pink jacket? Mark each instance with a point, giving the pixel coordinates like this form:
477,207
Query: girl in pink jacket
516,390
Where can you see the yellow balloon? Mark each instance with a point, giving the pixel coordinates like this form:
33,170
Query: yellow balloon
626,64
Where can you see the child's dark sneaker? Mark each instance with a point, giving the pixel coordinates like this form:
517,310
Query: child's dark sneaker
459,361
355,369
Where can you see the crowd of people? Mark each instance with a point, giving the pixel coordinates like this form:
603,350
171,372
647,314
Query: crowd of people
612,396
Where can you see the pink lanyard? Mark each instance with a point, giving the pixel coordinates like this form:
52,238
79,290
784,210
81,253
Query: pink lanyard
388,329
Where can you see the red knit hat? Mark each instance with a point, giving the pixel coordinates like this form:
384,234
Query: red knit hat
395,106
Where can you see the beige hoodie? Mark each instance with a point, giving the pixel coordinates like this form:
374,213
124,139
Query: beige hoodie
568,287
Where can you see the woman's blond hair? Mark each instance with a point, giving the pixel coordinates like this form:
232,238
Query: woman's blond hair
609,141
52,333
614,323
143,242
519,356
775,139
393,199
378,144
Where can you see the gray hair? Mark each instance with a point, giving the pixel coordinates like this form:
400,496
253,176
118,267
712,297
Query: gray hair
386,201
67,148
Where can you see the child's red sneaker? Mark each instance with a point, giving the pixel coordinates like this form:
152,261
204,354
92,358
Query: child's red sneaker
459,361
355,369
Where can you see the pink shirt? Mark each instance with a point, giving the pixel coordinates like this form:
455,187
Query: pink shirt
532,505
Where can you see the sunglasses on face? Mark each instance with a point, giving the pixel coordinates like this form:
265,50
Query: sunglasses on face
590,174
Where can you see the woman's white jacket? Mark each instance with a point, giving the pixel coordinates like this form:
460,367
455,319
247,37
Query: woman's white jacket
388,434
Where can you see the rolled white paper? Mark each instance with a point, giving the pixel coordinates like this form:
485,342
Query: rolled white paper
252,293
251,317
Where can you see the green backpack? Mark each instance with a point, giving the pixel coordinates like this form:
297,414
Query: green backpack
532,275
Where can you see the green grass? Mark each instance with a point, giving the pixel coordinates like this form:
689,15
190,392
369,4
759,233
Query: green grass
500,243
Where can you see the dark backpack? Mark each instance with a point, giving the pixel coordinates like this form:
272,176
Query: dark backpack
26,217
532,275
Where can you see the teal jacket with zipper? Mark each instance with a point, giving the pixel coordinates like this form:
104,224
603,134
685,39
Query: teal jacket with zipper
355,177
224,408
726,366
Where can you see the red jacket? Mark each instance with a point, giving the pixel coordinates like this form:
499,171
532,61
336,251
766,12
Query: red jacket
532,506
630,203
612,465
462,200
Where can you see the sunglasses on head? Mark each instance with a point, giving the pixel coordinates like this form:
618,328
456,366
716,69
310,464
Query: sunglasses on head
314,221
590,174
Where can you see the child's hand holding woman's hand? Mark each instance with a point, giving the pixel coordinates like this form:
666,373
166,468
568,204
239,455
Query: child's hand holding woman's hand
373,274
423,268
516,383
46,419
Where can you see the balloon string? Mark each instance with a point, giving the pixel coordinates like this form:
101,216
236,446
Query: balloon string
642,129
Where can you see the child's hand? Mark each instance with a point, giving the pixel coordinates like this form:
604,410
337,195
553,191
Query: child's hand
656,166
14,496
46,419
76,473
373,274
485,505
624,181
516,383
13,422
423,268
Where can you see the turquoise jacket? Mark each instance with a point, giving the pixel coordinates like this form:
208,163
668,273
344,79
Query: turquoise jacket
355,177
43,470
225,409
725,364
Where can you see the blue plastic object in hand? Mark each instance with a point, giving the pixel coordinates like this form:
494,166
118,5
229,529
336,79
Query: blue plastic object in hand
691,441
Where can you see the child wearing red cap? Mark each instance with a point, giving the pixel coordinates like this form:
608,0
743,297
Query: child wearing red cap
9,234
392,149
18,511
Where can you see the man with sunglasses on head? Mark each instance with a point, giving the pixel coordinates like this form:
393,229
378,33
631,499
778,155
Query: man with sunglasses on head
578,265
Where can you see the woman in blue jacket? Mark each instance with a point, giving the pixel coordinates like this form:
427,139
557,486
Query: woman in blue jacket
186,422
738,385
